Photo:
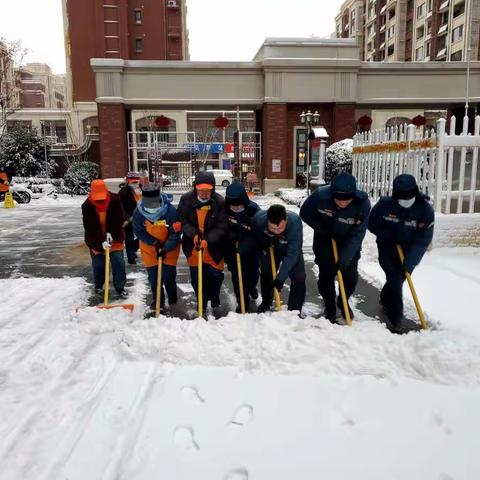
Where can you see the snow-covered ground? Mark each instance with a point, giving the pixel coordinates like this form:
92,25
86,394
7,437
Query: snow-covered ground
99,394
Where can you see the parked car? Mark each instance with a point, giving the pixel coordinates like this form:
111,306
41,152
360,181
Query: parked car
223,178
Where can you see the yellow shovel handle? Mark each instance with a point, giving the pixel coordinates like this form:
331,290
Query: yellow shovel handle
276,293
107,276
421,316
159,287
200,283
240,281
341,285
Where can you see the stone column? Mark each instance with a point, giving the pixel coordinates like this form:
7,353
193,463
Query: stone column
274,123
113,140
343,121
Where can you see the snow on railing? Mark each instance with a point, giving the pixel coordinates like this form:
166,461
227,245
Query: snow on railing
445,165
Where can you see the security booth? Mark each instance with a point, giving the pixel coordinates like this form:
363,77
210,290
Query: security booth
318,138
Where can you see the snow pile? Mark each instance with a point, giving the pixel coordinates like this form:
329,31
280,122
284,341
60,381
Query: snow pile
338,158
292,196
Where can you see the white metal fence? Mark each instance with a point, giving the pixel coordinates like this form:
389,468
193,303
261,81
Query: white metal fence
445,165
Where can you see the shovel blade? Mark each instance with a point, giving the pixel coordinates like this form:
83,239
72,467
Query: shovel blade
125,306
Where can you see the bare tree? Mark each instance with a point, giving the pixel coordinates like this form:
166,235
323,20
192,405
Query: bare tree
12,54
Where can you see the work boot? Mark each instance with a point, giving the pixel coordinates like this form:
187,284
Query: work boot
331,315
340,306
254,294
98,290
122,293
263,307
132,261
396,328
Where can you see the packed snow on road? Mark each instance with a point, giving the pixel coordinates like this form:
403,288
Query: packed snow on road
110,394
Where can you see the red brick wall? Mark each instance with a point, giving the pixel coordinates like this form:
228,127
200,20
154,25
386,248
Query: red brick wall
113,140
274,122
343,122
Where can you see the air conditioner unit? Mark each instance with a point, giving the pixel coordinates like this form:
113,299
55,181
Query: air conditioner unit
172,3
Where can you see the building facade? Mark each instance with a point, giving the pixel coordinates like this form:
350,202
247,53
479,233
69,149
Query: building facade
412,30
286,77
112,29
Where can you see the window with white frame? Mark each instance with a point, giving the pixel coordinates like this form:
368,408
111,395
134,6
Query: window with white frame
420,11
391,31
419,54
457,34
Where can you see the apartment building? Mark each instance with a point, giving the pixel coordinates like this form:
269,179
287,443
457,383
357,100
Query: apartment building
412,30
38,87
8,90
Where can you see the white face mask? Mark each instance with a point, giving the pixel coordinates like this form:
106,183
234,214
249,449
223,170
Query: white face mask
237,208
201,200
151,210
406,203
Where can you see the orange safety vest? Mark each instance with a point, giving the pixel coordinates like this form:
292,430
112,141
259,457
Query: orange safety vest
207,258
159,231
3,186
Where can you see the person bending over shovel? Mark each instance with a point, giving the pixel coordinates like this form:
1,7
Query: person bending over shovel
156,225
205,229
103,223
338,214
280,236
403,221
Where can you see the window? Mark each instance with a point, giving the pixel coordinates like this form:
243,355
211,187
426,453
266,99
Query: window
371,10
421,10
429,27
391,50
352,20
139,45
429,6
420,32
419,54
409,27
457,34
370,30
456,57
391,13
458,9
428,48
172,3
138,17
391,31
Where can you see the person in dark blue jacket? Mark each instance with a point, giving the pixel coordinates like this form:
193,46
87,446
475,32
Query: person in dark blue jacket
338,211
284,231
407,219
240,211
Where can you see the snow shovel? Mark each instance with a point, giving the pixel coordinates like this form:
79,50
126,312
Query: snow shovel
240,280
276,293
126,306
341,284
200,282
158,296
423,321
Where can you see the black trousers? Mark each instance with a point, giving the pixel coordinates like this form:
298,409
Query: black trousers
297,276
131,243
327,273
391,295
250,273
211,285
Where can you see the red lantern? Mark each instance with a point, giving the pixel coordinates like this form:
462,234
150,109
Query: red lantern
221,122
364,121
162,121
419,120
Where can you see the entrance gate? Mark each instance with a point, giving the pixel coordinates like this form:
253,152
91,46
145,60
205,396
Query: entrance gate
168,158
248,160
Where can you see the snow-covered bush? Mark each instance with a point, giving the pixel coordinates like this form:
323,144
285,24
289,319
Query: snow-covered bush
79,176
339,158
22,153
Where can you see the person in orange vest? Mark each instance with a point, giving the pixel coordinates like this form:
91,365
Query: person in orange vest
130,194
103,219
4,182
205,225
156,225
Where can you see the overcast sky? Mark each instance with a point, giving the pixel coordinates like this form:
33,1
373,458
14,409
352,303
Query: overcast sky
219,29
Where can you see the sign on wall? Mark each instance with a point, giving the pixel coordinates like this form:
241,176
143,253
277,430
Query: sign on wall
276,165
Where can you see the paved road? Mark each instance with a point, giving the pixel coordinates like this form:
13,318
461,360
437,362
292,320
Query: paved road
49,243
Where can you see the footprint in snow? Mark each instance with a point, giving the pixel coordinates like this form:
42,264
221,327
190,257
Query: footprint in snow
191,395
183,438
237,474
242,416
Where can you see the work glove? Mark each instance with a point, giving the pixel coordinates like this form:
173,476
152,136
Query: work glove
161,253
177,227
278,284
106,245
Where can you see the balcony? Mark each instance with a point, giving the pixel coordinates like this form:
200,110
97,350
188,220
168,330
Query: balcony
443,30
383,27
444,6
